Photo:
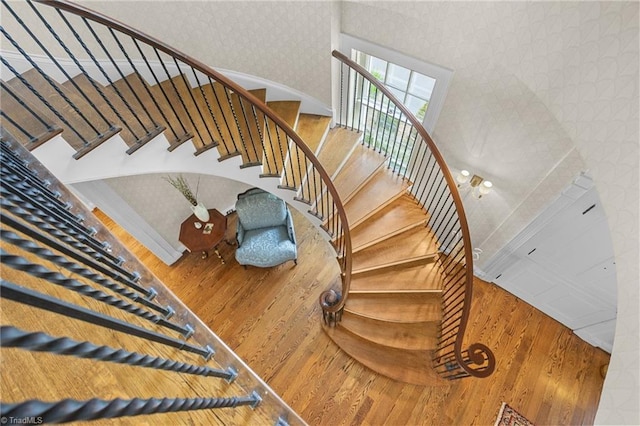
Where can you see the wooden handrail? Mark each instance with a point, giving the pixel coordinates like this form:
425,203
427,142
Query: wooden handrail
346,257
476,351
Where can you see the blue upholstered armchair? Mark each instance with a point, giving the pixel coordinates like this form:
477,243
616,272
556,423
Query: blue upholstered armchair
265,230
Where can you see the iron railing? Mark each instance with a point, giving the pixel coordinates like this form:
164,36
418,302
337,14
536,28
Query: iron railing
388,127
51,242
119,80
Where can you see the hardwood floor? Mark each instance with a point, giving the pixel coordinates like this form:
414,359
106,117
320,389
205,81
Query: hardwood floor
271,318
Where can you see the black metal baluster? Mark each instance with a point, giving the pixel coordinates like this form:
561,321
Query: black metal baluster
175,89
366,118
23,104
75,268
295,184
69,410
377,126
250,133
22,189
117,68
211,114
43,100
405,151
361,100
393,157
12,337
21,264
224,116
53,59
195,104
235,119
273,152
144,84
164,94
118,274
52,83
19,127
260,135
65,229
384,144
32,298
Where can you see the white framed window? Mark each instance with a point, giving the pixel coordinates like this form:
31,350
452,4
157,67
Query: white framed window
418,84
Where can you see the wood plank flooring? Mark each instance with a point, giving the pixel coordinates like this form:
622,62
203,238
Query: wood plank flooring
271,318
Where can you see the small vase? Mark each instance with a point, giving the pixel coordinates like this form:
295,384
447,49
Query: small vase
201,212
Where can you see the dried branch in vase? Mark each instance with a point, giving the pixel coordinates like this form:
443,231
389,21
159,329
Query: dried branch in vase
181,184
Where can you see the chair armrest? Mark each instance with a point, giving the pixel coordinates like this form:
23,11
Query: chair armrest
290,230
239,233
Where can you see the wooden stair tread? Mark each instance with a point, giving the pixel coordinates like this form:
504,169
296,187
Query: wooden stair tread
412,367
126,120
411,244
176,119
251,127
23,118
414,278
142,89
225,125
287,110
396,307
337,145
376,194
409,336
335,148
400,215
312,129
357,170
275,159
57,101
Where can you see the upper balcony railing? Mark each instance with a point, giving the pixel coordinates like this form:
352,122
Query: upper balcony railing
367,106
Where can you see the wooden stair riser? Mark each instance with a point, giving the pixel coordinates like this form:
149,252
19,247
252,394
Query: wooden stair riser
397,307
416,278
397,217
391,234
251,122
278,158
407,336
22,116
405,366
136,127
87,135
396,266
412,244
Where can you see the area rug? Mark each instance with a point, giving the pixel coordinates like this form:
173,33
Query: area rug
510,417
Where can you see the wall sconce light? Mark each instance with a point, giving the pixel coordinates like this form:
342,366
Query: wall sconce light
479,186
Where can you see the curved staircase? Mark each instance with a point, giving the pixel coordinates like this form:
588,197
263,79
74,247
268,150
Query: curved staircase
400,272
393,306
392,314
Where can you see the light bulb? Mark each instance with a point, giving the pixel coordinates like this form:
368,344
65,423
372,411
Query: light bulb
463,177
485,187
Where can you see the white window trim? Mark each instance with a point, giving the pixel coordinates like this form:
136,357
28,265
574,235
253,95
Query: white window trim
442,75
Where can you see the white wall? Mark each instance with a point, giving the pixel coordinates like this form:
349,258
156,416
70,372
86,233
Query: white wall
534,81
285,41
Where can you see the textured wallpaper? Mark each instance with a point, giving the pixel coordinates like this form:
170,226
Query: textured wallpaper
285,41
532,81
164,208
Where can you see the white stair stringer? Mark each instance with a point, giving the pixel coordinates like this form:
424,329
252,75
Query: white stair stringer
110,160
